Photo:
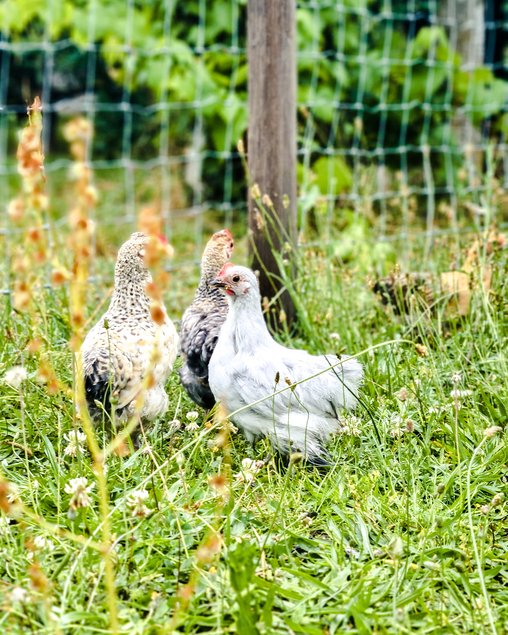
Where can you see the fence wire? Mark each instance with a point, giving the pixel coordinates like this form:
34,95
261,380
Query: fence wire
402,108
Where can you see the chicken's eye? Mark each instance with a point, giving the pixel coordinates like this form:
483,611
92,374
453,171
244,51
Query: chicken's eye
236,278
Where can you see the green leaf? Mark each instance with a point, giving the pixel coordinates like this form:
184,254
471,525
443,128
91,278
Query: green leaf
333,176
309,30
427,38
425,82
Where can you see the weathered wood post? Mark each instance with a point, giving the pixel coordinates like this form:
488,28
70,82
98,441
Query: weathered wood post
271,150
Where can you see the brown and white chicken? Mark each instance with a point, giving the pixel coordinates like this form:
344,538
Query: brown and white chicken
450,289
203,319
126,345
287,395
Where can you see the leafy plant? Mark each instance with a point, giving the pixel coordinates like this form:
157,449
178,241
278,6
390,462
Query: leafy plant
381,86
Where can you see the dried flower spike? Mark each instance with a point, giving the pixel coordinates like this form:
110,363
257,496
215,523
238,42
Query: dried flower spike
492,431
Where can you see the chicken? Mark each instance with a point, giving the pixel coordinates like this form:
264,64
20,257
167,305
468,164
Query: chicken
126,343
248,368
450,289
202,321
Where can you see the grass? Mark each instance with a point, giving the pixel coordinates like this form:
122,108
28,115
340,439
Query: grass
406,533
401,536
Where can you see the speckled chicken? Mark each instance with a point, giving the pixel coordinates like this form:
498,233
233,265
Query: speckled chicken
451,290
126,343
203,319
248,368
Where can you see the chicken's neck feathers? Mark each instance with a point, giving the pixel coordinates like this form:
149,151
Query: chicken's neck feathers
211,264
206,291
245,324
129,296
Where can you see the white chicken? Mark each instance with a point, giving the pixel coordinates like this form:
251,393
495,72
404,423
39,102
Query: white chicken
126,344
248,369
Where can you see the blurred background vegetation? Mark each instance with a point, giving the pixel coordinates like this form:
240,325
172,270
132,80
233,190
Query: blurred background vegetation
402,106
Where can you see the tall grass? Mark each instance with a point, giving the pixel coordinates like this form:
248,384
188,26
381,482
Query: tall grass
406,533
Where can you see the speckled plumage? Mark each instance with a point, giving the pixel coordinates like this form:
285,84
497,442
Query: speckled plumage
449,290
248,367
202,321
399,290
119,350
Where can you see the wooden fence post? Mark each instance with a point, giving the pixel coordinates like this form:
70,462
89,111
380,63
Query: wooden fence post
271,149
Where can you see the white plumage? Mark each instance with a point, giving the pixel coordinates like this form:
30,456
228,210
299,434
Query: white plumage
248,365
126,343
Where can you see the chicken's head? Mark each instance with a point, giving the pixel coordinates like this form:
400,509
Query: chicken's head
131,260
223,240
217,252
236,281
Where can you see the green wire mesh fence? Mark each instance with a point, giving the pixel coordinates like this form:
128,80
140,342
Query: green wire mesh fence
402,108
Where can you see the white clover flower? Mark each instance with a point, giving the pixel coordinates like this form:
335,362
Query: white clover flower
305,519
75,442
402,394
350,425
460,394
41,543
79,490
398,427
136,501
456,378
18,594
192,426
249,470
334,336
174,425
395,547
497,499
492,431
13,494
192,415
15,376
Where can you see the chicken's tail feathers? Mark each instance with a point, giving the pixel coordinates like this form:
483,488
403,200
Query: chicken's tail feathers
97,392
197,387
305,433
321,460
349,373
98,388
351,369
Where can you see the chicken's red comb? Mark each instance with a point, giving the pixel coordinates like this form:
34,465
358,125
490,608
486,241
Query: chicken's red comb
224,232
163,238
224,269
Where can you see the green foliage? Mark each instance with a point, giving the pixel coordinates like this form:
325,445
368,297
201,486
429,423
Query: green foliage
368,79
242,562
332,175
382,542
